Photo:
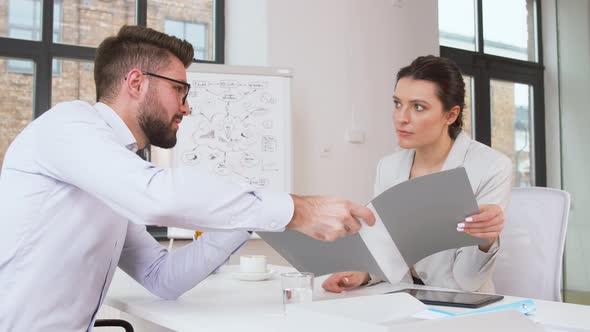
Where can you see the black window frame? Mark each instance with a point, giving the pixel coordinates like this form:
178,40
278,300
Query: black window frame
36,30
43,51
486,67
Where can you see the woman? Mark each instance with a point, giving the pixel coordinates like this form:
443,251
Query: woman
428,112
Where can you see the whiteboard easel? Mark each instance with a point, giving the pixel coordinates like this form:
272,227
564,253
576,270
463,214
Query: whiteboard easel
239,128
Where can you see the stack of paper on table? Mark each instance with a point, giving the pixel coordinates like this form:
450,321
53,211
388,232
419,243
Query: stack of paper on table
376,309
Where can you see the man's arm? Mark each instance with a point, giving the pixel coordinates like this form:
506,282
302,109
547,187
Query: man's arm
170,274
86,157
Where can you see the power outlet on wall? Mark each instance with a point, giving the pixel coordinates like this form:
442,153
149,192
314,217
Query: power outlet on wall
325,151
398,3
355,136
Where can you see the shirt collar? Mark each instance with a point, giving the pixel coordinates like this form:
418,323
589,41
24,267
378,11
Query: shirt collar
456,157
122,132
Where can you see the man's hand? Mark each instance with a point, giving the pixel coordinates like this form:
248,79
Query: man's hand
327,219
342,281
487,224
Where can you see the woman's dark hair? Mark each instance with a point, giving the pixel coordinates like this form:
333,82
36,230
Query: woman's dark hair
449,81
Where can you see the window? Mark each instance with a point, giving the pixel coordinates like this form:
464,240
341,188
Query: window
24,19
498,47
24,23
16,109
509,29
511,131
78,84
58,50
194,33
190,20
454,32
468,110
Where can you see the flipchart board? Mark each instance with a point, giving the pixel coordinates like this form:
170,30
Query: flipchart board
239,128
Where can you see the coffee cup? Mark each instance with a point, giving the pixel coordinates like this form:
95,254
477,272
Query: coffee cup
253,264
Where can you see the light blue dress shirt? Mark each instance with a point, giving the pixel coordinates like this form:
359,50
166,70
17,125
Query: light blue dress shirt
74,202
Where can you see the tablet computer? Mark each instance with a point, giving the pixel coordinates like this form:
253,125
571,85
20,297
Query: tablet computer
452,299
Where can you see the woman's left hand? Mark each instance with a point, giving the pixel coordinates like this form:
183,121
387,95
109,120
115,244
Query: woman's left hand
487,224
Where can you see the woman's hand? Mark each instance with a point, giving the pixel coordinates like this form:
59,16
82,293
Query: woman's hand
487,224
343,281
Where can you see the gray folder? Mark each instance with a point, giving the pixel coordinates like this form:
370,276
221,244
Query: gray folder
420,214
308,255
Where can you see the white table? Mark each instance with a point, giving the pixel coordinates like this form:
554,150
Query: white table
222,303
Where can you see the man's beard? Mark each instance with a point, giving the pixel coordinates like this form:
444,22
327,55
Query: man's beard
157,131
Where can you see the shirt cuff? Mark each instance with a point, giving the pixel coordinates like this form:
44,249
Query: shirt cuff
493,248
277,211
479,258
374,279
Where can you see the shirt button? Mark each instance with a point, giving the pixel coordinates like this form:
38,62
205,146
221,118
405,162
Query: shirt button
423,275
273,225
233,220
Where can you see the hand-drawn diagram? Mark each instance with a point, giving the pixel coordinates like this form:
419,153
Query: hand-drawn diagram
236,128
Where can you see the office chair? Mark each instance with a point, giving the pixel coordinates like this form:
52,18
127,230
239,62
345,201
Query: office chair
114,323
530,260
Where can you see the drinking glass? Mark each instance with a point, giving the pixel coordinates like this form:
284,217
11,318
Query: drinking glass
297,288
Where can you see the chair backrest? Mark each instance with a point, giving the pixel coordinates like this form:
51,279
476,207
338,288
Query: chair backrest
530,260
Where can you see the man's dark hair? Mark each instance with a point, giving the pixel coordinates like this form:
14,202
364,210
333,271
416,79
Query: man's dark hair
448,79
135,47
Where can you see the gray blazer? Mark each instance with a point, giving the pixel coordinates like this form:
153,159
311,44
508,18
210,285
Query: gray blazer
490,174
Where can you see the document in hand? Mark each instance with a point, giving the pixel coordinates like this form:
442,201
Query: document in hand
415,218
309,255
421,214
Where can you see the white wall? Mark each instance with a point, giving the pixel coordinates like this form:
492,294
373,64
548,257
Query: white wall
345,54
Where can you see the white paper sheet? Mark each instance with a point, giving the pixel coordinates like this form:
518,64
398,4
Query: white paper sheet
371,309
384,250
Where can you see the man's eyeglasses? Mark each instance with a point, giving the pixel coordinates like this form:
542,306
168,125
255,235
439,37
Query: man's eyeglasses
186,86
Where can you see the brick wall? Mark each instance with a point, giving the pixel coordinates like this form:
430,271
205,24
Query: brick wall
467,111
16,105
502,97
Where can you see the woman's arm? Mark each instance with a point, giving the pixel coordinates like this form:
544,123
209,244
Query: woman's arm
473,266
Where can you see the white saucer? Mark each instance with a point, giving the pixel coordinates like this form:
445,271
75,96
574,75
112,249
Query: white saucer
253,276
